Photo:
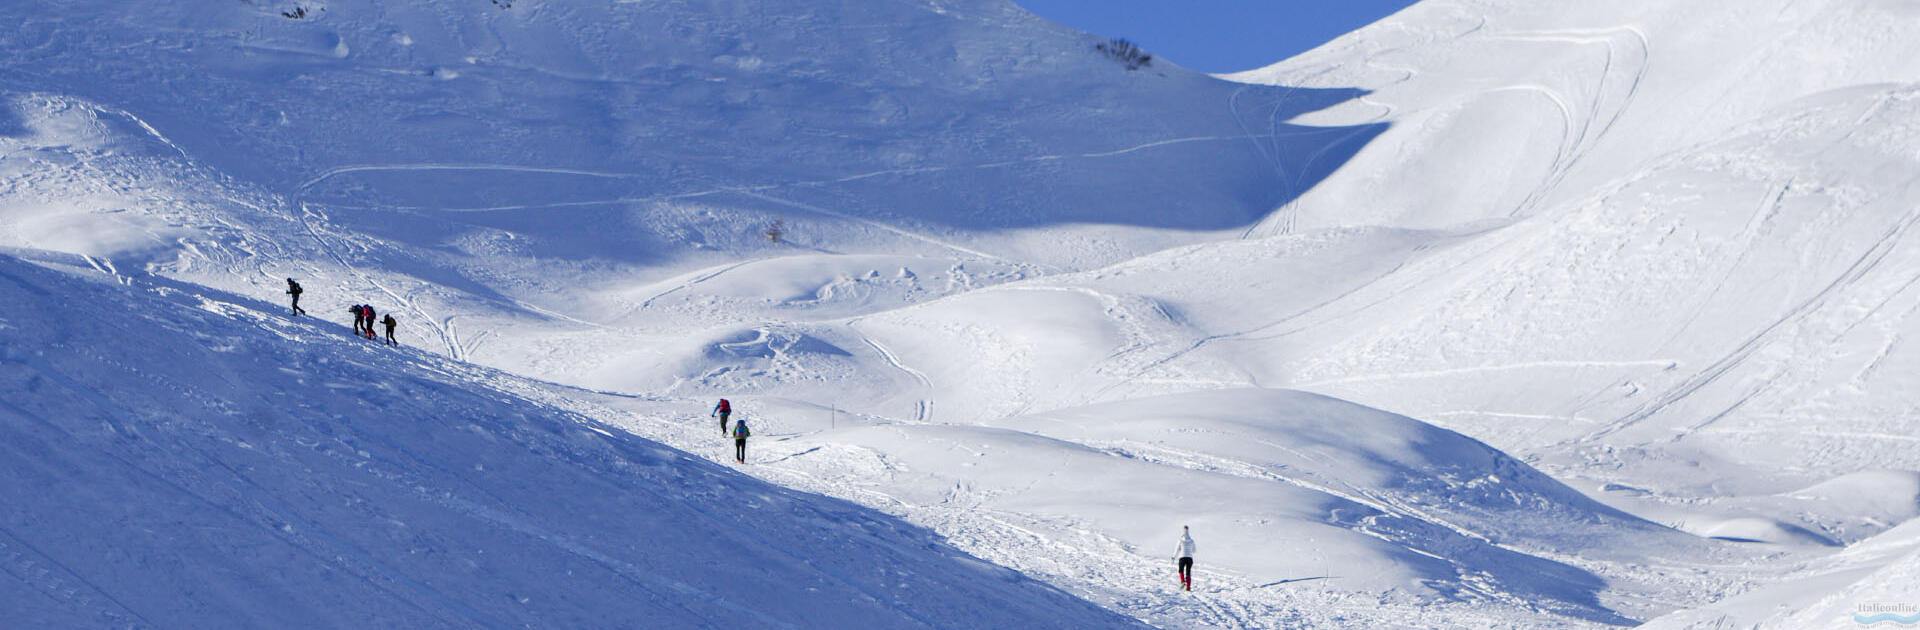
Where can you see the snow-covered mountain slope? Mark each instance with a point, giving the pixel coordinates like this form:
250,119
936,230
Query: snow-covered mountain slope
1600,264
178,458
1866,585
1555,100
1712,258
1312,511
575,167
632,121
1689,288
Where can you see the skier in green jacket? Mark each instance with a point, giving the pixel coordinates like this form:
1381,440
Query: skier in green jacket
740,433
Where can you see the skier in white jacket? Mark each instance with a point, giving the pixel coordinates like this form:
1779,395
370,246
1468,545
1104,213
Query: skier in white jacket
1183,558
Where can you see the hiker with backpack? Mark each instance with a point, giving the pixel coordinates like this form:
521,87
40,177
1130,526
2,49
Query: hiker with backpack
723,410
366,311
390,322
360,322
1183,558
740,434
293,289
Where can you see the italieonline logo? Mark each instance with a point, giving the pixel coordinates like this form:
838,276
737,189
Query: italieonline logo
1874,613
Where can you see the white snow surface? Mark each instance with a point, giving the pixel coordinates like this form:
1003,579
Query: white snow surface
185,458
1496,313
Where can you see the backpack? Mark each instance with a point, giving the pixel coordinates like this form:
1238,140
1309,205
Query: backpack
725,406
389,321
740,430
368,309
293,287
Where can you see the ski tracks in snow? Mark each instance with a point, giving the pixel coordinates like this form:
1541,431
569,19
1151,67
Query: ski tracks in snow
923,410
304,186
1860,267
444,328
1623,68
61,583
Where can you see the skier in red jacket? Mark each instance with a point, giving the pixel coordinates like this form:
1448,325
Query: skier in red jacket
722,410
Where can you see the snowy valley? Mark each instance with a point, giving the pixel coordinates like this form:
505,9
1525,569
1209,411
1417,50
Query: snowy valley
1490,314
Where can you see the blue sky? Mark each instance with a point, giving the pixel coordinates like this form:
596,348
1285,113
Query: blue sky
1218,35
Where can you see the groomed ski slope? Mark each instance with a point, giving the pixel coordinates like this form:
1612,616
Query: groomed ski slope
177,458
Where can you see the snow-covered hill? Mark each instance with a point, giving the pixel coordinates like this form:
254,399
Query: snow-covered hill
1312,510
1694,293
178,458
1621,290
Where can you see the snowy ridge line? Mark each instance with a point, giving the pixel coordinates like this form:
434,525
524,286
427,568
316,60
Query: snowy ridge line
155,132
1284,220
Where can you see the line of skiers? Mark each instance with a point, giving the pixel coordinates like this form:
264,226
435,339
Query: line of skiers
363,315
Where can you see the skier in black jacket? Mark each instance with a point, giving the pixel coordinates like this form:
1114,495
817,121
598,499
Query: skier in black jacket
293,289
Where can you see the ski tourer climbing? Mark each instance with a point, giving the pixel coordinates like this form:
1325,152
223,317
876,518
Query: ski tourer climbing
367,310
740,434
390,322
722,410
1183,558
293,289
360,322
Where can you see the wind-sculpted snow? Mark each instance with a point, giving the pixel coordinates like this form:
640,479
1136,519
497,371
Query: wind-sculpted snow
181,459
